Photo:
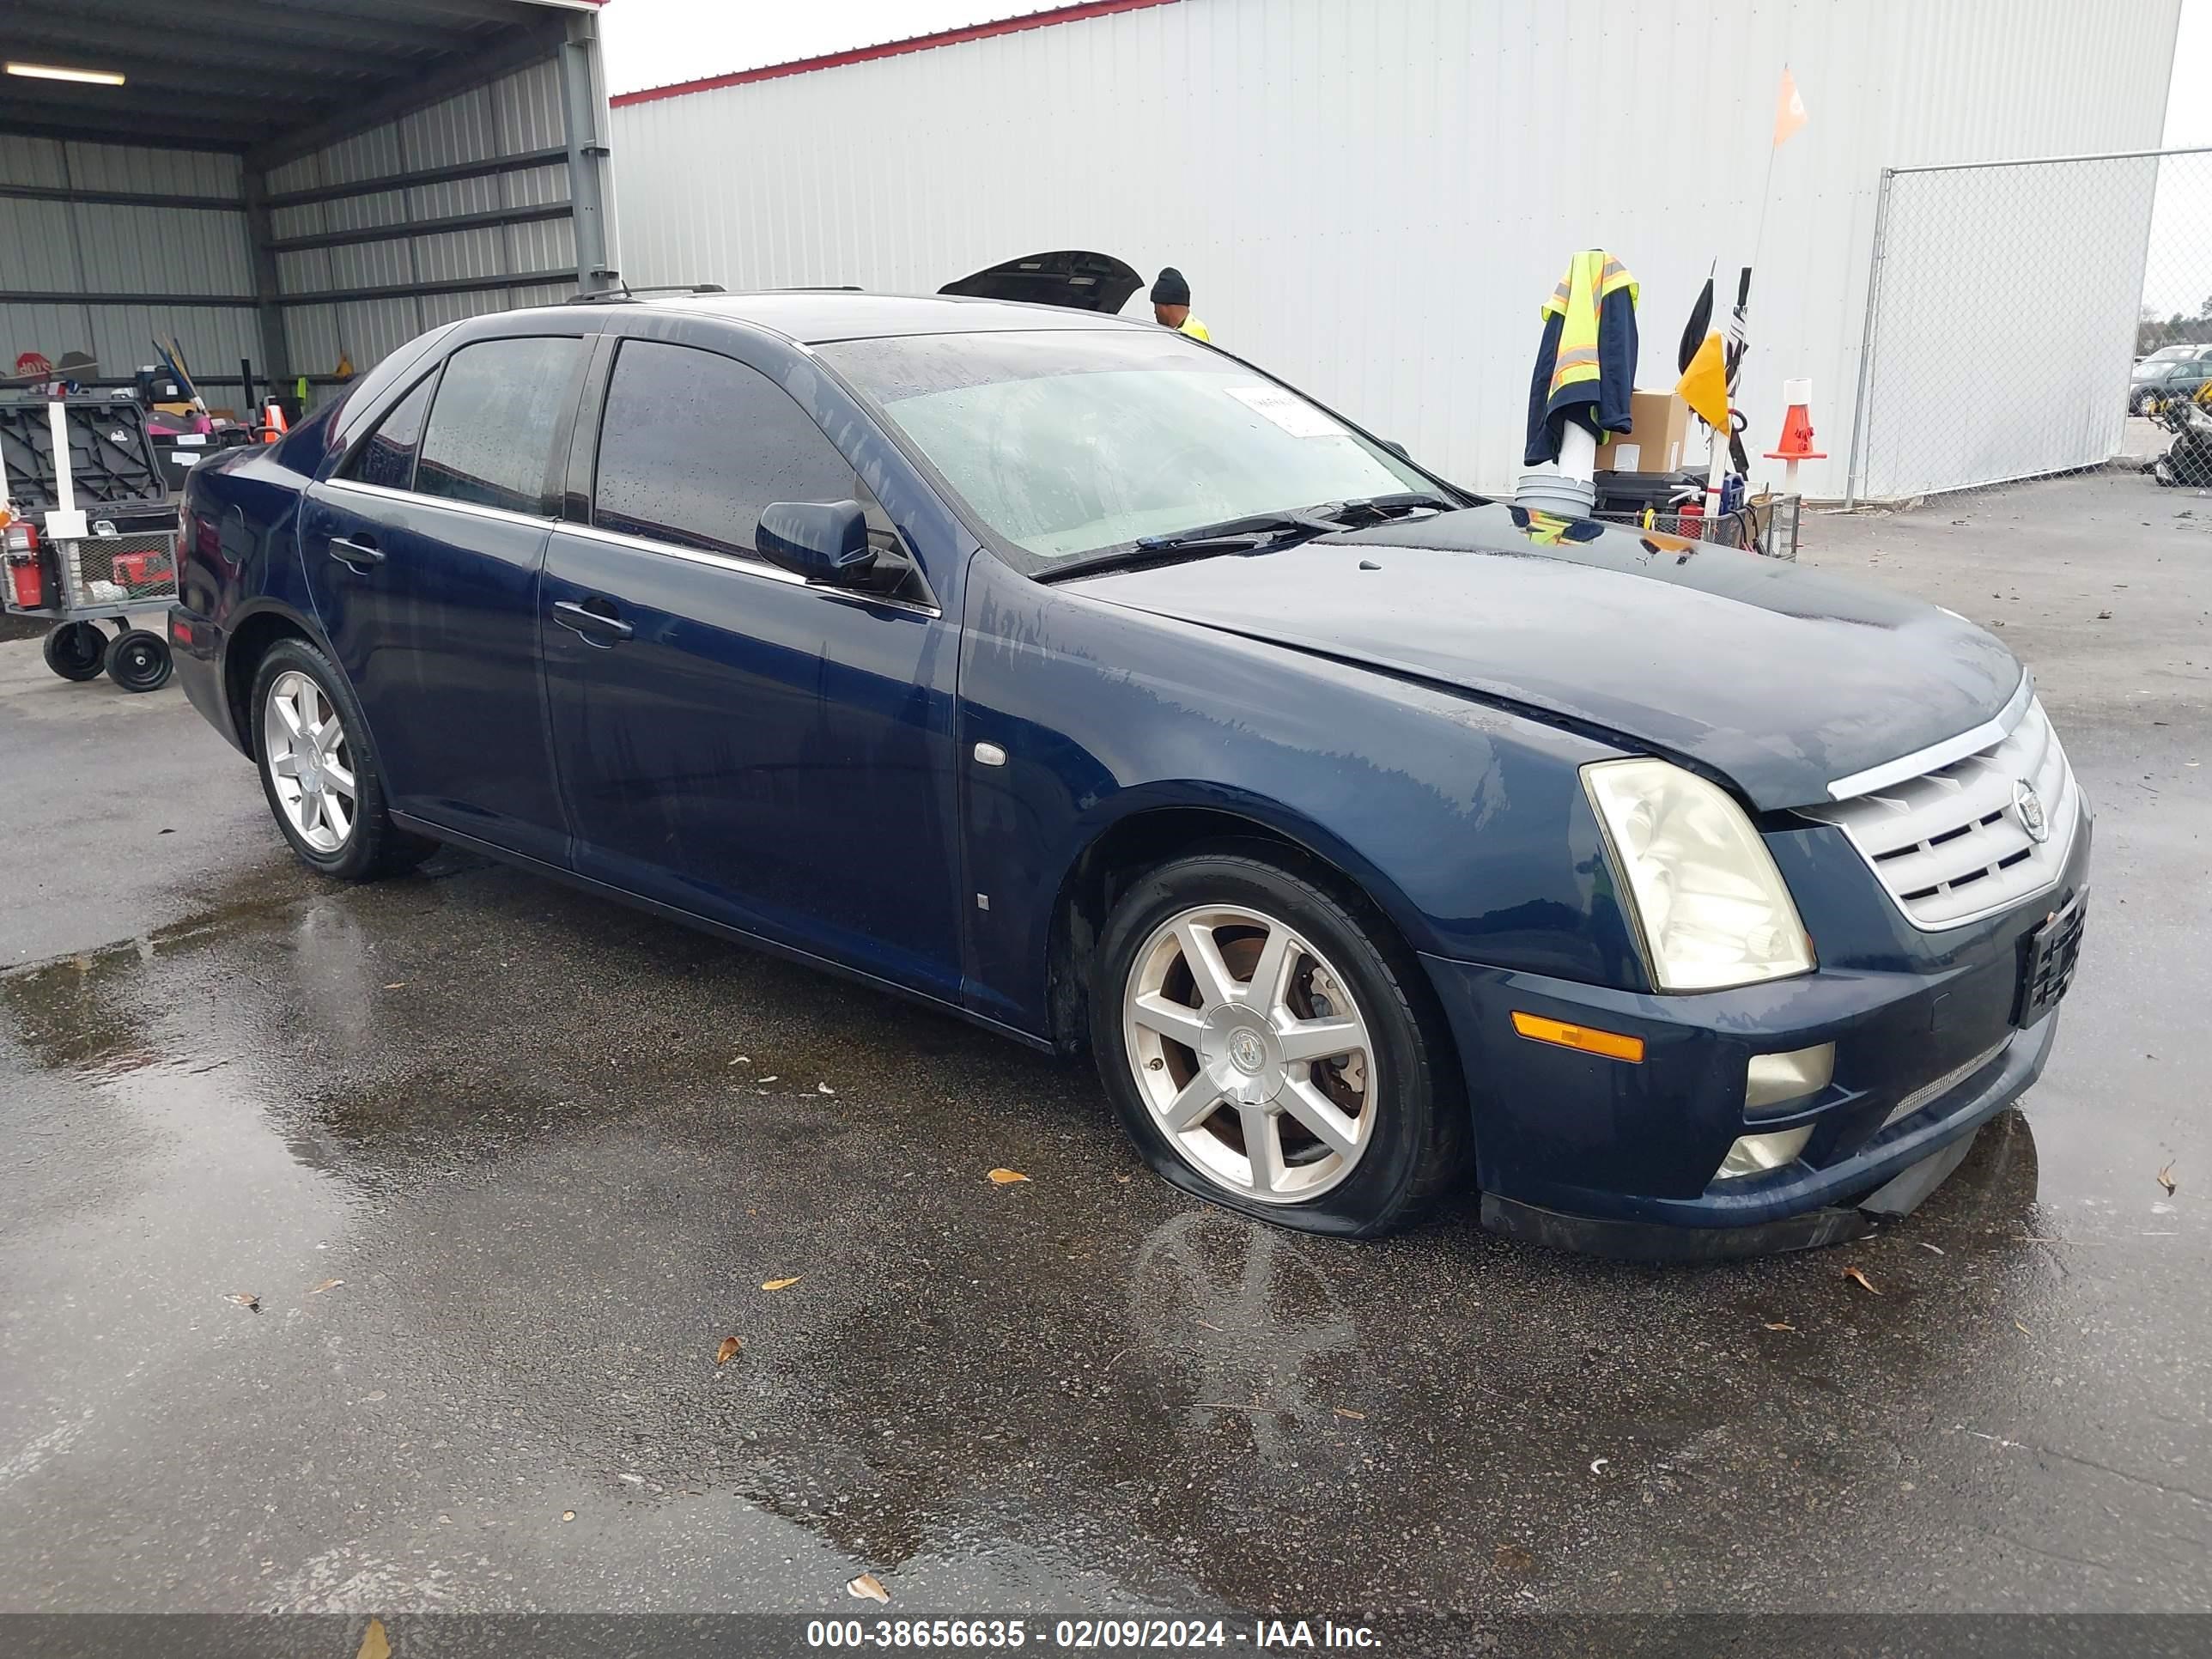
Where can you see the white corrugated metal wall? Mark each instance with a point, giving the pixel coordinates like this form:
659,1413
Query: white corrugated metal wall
93,248
515,116
1373,197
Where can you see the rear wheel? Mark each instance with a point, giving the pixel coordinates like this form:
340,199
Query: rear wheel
75,650
140,661
1270,1049
319,770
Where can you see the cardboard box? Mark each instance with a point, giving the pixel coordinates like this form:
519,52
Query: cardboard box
1658,433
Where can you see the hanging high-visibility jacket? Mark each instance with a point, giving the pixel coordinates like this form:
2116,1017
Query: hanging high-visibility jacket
1586,361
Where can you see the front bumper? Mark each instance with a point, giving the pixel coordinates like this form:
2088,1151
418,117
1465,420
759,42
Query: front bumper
1578,1149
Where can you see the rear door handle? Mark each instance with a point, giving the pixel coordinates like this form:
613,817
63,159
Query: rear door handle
597,627
360,557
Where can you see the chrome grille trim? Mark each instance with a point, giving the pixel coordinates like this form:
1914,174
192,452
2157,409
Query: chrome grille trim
1948,844
1936,755
1943,1085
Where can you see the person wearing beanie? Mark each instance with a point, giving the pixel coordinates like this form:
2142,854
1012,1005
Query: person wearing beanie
1171,305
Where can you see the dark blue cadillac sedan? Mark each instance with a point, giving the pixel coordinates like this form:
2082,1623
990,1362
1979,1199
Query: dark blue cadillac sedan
1376,840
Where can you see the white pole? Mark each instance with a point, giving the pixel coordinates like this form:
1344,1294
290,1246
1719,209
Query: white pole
1578,453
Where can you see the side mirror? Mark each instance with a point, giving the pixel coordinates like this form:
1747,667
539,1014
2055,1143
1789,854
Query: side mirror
825,542
1396,448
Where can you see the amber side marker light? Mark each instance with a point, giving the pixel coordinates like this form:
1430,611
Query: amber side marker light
1611,1044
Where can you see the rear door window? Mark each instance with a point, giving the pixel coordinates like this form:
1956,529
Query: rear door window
491,431
693,445
386,457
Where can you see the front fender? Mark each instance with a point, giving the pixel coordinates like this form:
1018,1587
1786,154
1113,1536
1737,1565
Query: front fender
1466,825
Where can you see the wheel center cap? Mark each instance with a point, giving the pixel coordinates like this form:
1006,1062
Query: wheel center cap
1246,1052
311,773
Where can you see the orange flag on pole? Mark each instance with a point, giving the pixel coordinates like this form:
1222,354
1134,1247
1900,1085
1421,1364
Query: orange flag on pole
1789,108
1703,385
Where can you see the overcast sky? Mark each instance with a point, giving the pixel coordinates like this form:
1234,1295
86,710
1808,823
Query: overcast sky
651,43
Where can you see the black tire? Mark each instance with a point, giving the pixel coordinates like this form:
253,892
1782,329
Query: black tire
1420,1143
373,846
76,650
140,661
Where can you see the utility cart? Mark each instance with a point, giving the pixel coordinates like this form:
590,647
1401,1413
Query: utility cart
88,533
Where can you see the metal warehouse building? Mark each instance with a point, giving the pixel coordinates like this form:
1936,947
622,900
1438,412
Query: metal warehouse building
291,182
1371,198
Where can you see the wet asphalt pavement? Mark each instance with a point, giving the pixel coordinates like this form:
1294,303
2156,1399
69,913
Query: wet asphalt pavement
503,1166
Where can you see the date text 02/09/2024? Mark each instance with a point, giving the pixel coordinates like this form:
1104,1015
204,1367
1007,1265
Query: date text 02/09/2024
1084,1634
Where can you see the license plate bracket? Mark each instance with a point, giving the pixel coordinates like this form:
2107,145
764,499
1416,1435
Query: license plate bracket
2048,958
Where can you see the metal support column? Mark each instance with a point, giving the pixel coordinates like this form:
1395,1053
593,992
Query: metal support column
1867,335
583,111
267,291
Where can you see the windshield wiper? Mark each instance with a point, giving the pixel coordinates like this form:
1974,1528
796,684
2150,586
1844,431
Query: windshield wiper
1256,532
1378,509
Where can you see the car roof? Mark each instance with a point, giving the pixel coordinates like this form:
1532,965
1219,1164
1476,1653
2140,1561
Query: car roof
817,316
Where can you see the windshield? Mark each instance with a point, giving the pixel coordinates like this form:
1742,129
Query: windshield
2147,370
1069,442
2166,353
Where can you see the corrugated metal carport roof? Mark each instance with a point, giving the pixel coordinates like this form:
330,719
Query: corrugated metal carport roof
268,78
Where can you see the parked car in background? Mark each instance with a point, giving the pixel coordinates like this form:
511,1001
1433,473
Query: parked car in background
1085,681
2159,377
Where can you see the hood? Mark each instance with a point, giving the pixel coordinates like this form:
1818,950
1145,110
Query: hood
1778,677
1084,282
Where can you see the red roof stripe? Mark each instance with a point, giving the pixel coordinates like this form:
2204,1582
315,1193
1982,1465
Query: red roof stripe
1035,20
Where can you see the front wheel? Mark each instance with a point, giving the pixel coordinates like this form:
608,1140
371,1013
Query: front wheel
320,773
1270,1048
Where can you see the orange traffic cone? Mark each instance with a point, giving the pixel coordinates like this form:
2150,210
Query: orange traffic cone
1796,443
273,423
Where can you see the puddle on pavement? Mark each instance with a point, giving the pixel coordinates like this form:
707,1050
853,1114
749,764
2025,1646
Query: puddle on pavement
523,1128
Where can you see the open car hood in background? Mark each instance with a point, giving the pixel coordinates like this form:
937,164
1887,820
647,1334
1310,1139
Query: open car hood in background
1080,280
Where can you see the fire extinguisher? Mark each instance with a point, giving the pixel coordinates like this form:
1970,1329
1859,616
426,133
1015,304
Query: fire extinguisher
27,584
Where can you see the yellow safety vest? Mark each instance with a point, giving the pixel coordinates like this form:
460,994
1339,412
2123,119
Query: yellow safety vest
1592,276
1196,329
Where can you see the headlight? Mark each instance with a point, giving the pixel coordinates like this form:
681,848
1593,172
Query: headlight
1712,905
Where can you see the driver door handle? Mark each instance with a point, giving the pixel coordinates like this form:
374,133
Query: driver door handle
360,557
597,627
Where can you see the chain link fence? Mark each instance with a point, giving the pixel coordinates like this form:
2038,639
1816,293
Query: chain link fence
2031,318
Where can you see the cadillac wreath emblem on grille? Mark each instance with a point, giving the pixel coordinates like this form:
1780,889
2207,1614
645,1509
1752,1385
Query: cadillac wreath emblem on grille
2029,806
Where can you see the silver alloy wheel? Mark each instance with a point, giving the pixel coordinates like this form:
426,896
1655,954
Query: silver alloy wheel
305,744
1250,1053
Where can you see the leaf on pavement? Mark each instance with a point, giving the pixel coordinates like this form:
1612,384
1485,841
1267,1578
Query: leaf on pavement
395,984
375,1645
1346,1410
1777,1324
728,1351
327,1285
1861,1281
868,1588
245,1299
2166,1179
567,1515
1006,1178
779,1284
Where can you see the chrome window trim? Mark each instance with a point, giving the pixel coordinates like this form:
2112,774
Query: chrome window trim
1937,755
756,567
743,566
474,509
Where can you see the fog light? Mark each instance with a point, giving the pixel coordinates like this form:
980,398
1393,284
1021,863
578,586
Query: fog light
1773,1079
1755,1154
